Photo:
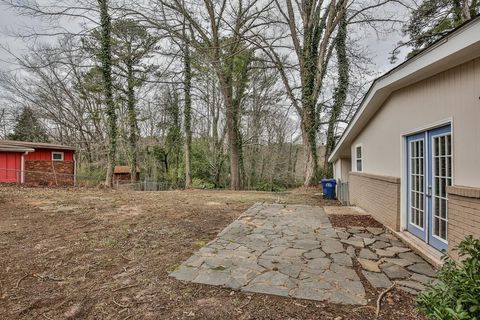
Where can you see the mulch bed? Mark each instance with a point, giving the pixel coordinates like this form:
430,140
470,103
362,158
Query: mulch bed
350,220
396,304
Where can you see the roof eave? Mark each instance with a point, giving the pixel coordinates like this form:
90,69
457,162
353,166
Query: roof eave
15,149
461,45
36,145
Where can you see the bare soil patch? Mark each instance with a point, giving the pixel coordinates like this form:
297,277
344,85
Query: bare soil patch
349,220
344,210
100,254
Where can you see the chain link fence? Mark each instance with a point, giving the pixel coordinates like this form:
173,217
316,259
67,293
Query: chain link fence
54,179
150,185
343,194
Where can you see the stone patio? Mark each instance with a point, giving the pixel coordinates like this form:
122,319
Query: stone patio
293,251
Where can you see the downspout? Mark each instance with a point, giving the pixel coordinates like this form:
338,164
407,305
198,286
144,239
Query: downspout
22,167
74,169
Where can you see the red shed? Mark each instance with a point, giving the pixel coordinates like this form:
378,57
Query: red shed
36,163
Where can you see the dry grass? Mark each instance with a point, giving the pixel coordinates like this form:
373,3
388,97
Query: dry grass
96,254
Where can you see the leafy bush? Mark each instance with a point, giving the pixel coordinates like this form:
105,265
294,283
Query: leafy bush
202,184
457,295
90,175
274,186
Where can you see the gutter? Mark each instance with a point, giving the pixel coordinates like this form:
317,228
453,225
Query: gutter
74,169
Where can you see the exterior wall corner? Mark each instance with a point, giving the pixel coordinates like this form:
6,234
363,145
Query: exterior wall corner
378,195
463,216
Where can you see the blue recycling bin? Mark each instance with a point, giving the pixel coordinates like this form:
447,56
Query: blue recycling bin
328,186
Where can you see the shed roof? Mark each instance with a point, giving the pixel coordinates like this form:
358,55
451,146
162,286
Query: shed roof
457,47
39,145
123,169
10,148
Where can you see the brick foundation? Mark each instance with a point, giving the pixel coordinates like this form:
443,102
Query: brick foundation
378,195
50,173
463,215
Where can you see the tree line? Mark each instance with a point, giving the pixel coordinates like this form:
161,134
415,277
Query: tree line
213,93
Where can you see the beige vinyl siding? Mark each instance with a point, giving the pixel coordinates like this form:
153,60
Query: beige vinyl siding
451,94
341,169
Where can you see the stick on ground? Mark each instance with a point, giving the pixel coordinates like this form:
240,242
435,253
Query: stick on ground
126,287
118,304
379,300
21,279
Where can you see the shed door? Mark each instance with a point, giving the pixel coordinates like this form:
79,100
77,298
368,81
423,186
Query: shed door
10,166
429,156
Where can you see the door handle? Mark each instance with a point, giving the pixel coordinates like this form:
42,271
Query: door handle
429,191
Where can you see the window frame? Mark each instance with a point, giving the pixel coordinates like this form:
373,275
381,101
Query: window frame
61,153
359,159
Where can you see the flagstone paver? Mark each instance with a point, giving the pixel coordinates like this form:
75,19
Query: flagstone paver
377,280
293,251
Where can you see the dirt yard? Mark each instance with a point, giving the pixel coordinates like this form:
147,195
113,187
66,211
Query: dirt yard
96,254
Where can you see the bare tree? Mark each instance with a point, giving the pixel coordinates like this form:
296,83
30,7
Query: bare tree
311,26
221,40
340,94
187,110
106,59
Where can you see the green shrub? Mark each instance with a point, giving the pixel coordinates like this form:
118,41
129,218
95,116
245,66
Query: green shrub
268,186
90,175
457,294
201,184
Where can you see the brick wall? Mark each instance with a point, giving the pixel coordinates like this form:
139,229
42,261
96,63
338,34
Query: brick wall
463,215
51,173
378,195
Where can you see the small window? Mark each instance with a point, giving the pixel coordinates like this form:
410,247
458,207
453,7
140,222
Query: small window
358,158
57,156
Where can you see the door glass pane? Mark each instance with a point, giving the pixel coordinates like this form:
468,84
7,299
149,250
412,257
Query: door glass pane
443,166
449,147
442,172
443,229
443,213
421,218
449,165
417,183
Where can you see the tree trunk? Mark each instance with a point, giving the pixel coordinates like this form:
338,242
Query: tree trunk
106,58
465,10
340,95
253,167
188,117
233,133
474,8
132,119
233,142
309,114
309,135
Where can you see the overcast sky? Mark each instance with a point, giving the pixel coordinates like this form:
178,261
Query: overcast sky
379,47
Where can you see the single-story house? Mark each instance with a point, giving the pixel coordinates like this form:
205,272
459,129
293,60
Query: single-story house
122,174
36,163
411,154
